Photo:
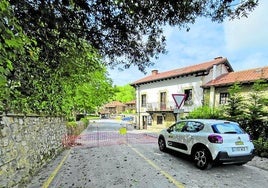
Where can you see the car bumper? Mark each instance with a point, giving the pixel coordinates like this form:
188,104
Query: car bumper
223,157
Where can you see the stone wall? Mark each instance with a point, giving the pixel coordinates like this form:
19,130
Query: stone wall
27,143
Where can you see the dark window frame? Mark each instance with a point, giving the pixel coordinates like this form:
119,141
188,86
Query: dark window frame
159,120
143,100
189,96
223,98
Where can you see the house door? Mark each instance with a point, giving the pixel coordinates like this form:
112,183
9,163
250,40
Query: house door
163,101
144,122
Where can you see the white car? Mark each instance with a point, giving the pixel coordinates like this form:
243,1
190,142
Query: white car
208,142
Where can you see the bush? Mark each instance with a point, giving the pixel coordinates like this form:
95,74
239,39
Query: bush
75,128
71,124
93,117
85,121
261,147
205,112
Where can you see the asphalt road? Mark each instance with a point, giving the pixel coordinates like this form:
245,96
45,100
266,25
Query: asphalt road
106,159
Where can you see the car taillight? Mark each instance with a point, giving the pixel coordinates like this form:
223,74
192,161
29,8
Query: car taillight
213,138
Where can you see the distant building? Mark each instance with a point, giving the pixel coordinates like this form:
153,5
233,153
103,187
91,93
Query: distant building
131,105
112,108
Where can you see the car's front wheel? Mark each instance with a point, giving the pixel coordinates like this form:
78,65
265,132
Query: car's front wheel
162,144
202,159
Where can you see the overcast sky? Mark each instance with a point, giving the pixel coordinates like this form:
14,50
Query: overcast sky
243,42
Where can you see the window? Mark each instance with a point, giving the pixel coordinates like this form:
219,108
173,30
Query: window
193,126
189,96
149,120
224,98
227,128
159,120
163,100
143,100
179,126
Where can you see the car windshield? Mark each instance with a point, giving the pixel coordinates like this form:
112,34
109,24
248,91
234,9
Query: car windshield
227,128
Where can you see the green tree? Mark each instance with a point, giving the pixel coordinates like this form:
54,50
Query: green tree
125,32
235,108
14,45
124,93
257,110
85,81
65,89
68,33
87,96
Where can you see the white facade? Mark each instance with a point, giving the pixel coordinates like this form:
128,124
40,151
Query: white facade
173,86
150,94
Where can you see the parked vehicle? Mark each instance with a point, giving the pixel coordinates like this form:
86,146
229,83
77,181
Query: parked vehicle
128,120
208,142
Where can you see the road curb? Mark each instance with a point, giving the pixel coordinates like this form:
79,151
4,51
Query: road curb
55,172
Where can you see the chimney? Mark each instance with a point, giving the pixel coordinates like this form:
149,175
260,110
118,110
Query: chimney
154,72
219,57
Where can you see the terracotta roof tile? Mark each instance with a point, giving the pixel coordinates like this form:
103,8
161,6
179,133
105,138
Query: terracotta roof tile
114,104
131,102
245,76
183,71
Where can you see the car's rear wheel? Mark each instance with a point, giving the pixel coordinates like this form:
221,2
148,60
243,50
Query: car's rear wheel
162,144
202,159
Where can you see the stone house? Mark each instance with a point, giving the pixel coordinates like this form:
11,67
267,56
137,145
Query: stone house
112,108
155,106
131,105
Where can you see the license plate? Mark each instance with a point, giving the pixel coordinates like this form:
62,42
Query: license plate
239,143
234,149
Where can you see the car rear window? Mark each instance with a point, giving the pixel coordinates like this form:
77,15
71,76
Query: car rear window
227,128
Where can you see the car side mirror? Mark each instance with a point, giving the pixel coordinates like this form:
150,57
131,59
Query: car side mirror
169,130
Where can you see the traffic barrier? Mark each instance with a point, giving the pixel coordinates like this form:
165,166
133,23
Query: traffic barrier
106,138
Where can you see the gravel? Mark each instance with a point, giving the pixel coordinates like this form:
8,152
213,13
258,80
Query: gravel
259,162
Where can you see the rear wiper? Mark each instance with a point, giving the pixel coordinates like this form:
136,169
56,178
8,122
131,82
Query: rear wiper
230,132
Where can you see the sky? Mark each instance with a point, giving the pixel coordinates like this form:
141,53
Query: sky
244,42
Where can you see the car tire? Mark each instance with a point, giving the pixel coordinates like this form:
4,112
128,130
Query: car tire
162,144
202,159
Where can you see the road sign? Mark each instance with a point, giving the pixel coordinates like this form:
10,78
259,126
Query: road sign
179,99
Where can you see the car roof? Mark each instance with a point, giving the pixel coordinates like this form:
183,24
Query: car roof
208,121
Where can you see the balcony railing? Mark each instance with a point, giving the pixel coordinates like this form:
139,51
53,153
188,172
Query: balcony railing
170,106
